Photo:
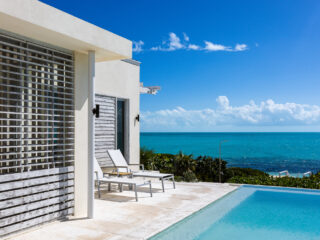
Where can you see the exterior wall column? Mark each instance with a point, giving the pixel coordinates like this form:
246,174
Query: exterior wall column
81,86
91,117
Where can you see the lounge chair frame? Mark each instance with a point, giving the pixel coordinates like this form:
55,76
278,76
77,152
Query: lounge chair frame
161,176
120,162
122,181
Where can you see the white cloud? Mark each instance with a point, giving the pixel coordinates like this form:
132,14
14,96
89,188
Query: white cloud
193,47
186,37
266,113
155,48
223,101
137,46
174,42
210,46
240,47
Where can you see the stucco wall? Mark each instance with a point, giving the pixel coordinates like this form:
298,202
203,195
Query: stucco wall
81,135
121,79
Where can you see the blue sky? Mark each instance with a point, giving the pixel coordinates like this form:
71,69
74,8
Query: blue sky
222,65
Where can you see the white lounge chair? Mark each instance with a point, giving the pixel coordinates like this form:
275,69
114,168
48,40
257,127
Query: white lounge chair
122,165
99,177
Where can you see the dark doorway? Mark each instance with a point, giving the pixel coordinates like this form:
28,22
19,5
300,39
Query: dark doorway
121,126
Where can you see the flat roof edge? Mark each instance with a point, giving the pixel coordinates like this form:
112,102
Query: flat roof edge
131,61
44,23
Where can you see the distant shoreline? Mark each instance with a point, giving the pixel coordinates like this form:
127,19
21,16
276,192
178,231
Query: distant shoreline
227,132
297,152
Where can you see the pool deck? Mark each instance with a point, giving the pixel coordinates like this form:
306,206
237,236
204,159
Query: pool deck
119,216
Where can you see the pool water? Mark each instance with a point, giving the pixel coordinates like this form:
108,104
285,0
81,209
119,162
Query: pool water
254,213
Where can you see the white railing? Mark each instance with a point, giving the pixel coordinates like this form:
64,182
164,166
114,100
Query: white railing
286,172
309,173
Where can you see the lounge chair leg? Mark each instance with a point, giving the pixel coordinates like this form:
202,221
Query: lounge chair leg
109,187
120,187
135,190
174,184
150,188
162,184
99,194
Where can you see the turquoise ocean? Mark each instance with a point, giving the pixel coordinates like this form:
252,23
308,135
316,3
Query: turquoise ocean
269,152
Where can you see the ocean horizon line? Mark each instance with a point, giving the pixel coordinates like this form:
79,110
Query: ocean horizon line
231,132
276,151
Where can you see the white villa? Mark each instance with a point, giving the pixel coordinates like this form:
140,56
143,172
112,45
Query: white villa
69,114
54,69
69,92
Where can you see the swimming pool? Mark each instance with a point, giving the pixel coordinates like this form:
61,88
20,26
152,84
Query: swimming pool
253,212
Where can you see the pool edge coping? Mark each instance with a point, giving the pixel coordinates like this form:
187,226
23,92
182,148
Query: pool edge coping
238,185
189,215
279,187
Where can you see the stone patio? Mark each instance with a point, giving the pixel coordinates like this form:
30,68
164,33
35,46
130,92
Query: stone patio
119,216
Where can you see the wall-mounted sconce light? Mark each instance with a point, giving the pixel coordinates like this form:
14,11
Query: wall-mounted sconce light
138,118
96,111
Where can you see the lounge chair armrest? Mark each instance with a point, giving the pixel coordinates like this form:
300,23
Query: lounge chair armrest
141,167
96,179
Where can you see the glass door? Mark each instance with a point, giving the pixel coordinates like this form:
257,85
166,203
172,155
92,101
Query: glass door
121,126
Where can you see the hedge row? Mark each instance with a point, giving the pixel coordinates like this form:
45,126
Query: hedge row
206,169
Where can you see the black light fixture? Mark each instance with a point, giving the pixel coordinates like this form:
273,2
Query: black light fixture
96,111
138,118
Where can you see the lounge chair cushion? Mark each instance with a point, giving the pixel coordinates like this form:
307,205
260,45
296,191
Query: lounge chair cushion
122,180
152,174
118,158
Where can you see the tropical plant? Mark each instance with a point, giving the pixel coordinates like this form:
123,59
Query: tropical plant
183,163
244,172
205,168
305,182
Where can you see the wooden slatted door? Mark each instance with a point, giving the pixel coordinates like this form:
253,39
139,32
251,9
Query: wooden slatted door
105,129
36,134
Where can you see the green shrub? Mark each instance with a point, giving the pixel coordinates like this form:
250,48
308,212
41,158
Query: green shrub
244,172
183,163
305,182
156,161
147,158
206,169
189,176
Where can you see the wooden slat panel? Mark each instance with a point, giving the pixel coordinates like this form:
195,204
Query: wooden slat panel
35,197
35,221
35,181
36,134
35,189
34,174
105,162
35,213
105,129
34,82
35,205
104,134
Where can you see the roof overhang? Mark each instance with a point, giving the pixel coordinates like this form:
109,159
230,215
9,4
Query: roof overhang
39,21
